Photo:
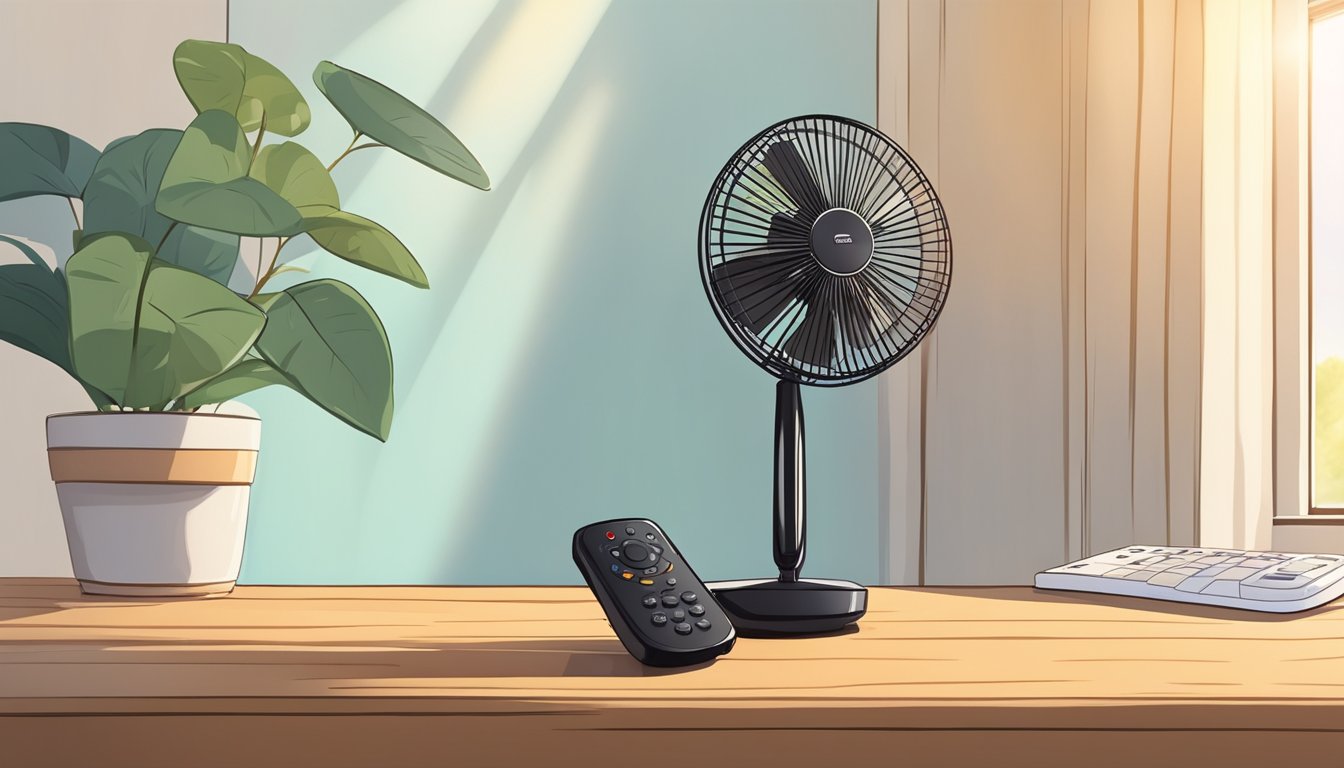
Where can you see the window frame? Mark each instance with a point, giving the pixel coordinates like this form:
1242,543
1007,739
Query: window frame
1318,10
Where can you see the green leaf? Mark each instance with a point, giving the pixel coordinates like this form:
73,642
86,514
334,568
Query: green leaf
242,378
35,313
206,183
33,307
282,108
211,74
296,174
146,332
104,276
37,160
203,251
382,114
224,76
329,342
120,193
366,243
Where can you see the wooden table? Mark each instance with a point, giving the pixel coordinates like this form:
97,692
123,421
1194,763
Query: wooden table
468,676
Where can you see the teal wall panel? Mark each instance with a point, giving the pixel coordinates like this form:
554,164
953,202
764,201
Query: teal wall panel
565,367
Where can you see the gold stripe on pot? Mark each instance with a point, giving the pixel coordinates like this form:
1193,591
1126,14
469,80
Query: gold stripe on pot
152,465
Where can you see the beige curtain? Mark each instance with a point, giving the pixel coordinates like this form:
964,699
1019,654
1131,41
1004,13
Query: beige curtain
1104,371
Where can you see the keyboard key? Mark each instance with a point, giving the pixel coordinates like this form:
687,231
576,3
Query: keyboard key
1167,579
1194,584
1223,588
1213,571
1141,575
1240,572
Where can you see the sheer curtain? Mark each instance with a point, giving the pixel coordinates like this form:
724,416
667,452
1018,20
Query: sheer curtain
1118,176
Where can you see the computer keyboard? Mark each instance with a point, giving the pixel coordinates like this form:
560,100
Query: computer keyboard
1257,581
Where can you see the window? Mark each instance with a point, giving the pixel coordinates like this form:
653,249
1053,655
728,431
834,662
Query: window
1327,257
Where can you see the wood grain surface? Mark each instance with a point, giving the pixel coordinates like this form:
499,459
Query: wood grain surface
520,675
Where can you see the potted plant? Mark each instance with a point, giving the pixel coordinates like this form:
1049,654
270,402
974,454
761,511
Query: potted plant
154,490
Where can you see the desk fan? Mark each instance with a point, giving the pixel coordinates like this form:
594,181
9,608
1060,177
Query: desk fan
825,254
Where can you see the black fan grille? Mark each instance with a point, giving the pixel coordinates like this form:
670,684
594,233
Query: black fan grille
795,318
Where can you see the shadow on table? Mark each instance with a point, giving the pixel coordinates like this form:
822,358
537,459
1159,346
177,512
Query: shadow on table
1161,607
362,665
37,596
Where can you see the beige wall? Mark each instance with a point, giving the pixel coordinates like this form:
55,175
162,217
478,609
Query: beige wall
1103,373
99,70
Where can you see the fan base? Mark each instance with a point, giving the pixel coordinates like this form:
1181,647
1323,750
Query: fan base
770,607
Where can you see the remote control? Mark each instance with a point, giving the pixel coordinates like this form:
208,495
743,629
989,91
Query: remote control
659,608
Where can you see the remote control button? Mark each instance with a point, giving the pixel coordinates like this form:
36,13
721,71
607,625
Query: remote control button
658,619
629,531
682,628
697,610
657,550
678,615
651,571
615,553
671,581
646,582
615,568
637,555
670,600
650,601
611,535
703,624
649,536
688,597
627,575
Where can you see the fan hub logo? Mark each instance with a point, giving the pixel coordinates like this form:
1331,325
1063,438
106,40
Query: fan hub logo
841,241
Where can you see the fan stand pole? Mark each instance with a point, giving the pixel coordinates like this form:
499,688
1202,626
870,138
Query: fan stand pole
790,481
790,605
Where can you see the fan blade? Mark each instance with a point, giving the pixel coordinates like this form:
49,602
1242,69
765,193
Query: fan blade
786,164
860,315
785,232
869,320
882,319
757,288
814,339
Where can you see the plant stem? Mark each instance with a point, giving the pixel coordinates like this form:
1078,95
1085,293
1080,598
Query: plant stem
260,132
347,151
352,148
272,271
166,233
73,212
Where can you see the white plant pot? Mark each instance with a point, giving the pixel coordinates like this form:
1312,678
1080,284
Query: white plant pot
155,504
